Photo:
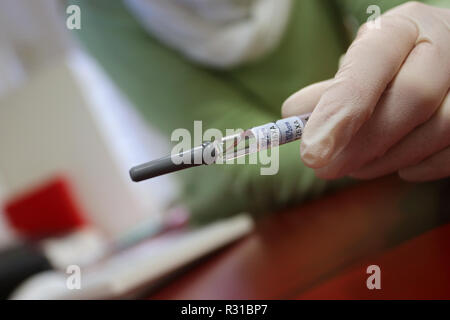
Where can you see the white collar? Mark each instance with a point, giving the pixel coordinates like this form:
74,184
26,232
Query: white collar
216,33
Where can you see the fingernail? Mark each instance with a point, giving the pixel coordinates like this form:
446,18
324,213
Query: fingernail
324,139
316,154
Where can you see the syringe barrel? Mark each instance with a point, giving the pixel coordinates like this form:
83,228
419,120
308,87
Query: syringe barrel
262,137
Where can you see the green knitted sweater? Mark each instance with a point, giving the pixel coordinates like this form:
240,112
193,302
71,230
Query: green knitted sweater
171,92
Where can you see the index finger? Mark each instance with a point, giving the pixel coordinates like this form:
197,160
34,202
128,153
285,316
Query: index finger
370,64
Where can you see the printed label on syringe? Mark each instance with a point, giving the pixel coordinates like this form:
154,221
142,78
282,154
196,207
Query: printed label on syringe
281,132
291,129
267,135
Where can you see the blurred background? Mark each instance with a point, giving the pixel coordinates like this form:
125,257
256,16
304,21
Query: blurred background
62,119
67,138
79,108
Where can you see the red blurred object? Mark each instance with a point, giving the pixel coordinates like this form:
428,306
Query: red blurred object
49,209
417,269
306,251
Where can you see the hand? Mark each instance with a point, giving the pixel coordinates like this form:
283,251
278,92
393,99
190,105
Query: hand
388,107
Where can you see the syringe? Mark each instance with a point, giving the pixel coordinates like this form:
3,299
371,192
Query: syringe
225,149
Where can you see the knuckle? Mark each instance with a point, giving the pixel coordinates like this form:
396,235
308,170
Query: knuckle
421,93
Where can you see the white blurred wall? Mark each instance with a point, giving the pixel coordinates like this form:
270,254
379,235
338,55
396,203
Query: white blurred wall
31,38
34,41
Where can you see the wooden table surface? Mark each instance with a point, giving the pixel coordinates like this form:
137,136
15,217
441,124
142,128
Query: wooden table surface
322,249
